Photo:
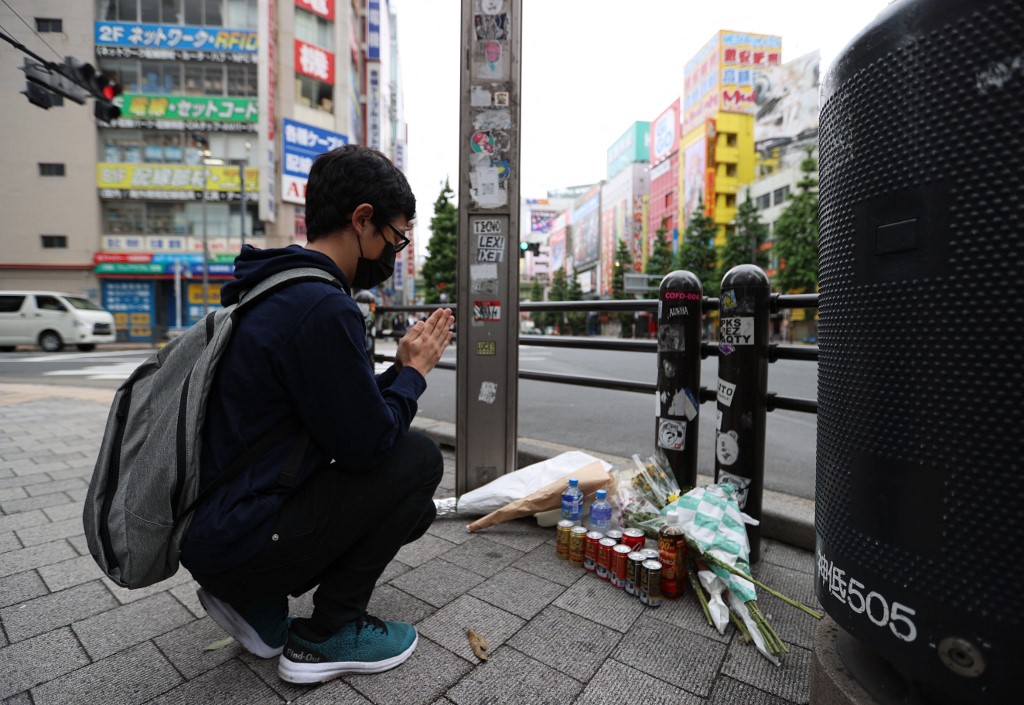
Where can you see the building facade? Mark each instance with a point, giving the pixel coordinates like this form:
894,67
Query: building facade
225,105
663,203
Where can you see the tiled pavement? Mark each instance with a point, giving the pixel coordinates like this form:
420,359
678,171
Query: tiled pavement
556,635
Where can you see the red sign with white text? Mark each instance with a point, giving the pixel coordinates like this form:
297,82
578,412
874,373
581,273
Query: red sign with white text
324,8
102,257
314,62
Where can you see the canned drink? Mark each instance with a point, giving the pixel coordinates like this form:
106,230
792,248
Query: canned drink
577,545
614,534
634,561
617,567
650,583
590,551
562,546
651,553
634,538
604,555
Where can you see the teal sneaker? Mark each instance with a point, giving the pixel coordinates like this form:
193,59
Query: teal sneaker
367,645
261,629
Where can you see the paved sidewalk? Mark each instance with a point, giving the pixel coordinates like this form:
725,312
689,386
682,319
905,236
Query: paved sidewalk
557,635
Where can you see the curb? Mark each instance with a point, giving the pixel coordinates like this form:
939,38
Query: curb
784,517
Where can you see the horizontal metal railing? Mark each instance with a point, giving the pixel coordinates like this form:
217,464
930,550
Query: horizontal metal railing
708,349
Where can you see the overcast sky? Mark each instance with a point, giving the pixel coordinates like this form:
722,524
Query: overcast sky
590,68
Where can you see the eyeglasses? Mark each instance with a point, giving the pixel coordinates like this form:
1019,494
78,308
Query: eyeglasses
402,239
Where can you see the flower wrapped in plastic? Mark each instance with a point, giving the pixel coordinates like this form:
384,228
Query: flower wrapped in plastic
640,491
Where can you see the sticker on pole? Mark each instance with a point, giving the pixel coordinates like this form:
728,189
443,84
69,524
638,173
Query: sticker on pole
726,392
488,392
671,434
737,331
727,447
741,484
486,310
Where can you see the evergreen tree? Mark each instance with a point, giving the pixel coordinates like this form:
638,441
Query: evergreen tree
796,234
623,263
439,269
742,242
660,262
577,319
697,254
559,292
537,294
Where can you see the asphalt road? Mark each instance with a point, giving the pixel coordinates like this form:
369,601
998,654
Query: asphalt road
617,423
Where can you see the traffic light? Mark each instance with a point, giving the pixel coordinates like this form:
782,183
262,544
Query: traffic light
103,88
525,247
46,82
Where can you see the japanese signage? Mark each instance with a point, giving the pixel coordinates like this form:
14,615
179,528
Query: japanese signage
373,30
266,80
373,110
324,8
301,144
630,147
161,41
314,62
180,107
132,304
665,134
172,177
586,231
787,102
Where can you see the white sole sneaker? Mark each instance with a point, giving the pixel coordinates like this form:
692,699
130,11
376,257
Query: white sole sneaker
304,673
230,621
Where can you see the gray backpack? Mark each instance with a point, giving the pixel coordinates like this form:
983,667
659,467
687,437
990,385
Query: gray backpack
146,481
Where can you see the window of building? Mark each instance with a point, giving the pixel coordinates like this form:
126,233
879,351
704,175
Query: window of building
160,77
177,218
241,80
668,200
54,242
123,218
730,170
730,139
730,200
49,24
780,195
241,14
51,169
763,202
314,94
122,147
313,29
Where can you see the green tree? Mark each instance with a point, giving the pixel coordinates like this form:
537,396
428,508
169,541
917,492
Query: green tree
577,319
697,254
623,263
796,234
661,261
537,294
558,292
439,269
742,242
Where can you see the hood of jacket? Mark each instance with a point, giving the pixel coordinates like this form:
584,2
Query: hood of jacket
253,265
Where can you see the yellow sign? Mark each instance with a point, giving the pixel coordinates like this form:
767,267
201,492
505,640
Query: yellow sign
195,293
174,177
137,318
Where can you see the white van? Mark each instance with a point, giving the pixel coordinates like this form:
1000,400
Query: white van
52,320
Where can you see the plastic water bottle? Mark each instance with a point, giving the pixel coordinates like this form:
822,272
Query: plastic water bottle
572,501
601,513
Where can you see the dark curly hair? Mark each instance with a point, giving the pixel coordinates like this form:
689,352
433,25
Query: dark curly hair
345,177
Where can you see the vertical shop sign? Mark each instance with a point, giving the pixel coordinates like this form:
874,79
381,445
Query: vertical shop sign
266,82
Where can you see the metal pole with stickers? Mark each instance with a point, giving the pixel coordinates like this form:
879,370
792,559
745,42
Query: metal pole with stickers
743,347
487,319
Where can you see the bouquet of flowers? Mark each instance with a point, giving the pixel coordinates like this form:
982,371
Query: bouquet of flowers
640,492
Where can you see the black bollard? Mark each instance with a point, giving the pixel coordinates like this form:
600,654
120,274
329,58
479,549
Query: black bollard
678,396
743,390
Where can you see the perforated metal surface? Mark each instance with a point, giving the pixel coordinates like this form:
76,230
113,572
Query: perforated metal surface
919,477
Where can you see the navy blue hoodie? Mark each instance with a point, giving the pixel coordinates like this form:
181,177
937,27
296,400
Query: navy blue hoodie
298,356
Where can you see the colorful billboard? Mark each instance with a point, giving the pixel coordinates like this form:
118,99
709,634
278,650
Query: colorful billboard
556,242
744,57
665,134
586,231
694,168
164,41
147,180
324,8
137,106
701,85
630,147
301,144
787,102
373,30
314,62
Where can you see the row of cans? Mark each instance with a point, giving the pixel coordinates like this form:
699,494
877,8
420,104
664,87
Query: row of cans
616,556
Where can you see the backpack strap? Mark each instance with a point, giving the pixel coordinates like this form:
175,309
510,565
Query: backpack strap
282,279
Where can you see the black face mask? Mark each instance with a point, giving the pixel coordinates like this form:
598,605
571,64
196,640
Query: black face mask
371,272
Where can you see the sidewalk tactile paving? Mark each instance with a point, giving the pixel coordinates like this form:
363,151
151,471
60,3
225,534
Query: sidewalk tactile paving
482,556
513,677
437,582
672,654
516,591
39,659
229,684
568,643
790,681
448,626
428,673
185,647
125,626
618,684
55,610
599,602
127,678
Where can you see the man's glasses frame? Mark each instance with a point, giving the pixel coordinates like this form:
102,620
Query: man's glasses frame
402,239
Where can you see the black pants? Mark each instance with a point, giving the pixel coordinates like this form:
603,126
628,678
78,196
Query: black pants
339,531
